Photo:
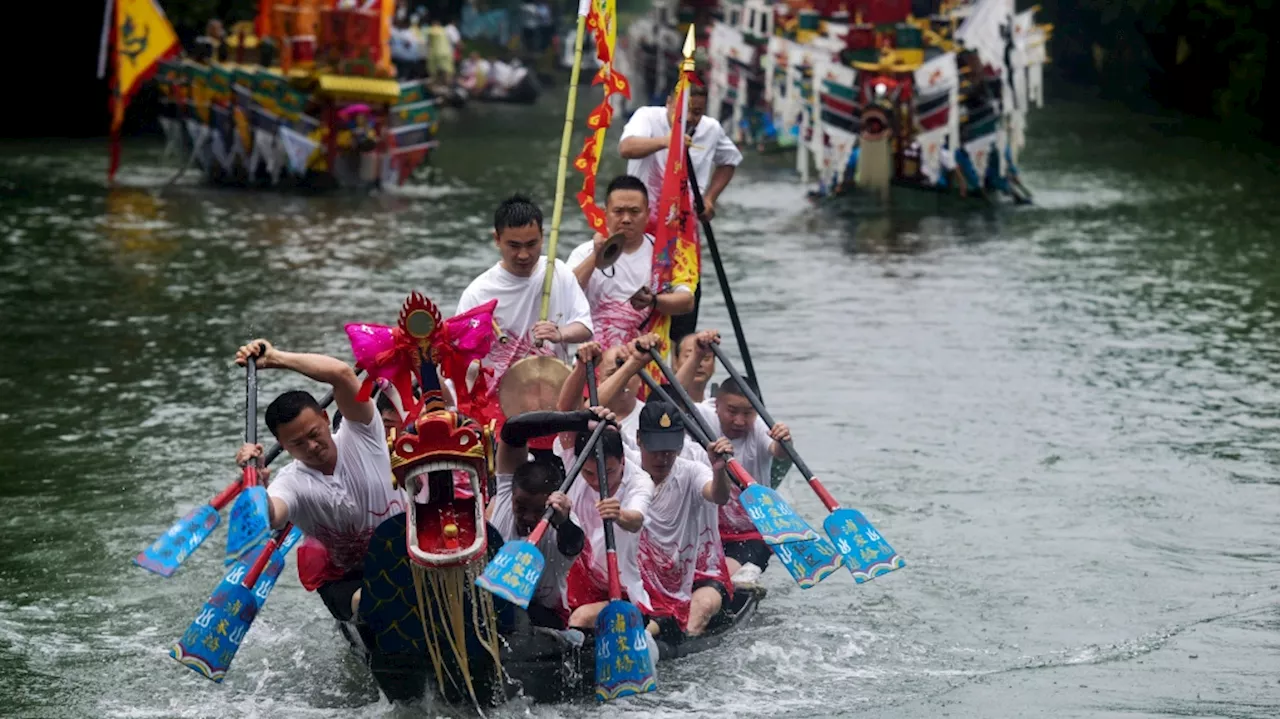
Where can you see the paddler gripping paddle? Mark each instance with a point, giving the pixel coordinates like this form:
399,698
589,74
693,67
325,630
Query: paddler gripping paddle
865,551
808,561
214,637
167,553
514,573
250,521
776,521
623,663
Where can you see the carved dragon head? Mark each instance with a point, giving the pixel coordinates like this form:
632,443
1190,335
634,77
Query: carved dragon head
440,458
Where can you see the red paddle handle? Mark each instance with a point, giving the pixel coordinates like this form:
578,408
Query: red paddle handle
261,564
536,535
827,500
615,585
224,497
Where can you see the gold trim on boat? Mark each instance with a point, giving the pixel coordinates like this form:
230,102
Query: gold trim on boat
369,89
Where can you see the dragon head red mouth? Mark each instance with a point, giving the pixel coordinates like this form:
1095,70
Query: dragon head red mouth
443,466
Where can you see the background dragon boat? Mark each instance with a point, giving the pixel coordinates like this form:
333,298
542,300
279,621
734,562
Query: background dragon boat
872,95
306,97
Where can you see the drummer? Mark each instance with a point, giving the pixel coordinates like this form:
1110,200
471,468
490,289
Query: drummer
623,296
516,282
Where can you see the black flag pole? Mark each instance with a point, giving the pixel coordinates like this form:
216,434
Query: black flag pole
699,207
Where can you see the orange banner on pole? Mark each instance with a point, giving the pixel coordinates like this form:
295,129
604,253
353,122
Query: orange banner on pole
602,22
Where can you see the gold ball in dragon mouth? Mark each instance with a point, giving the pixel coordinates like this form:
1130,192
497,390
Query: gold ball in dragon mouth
450,531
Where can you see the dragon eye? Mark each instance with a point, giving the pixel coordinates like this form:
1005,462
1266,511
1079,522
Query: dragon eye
406,447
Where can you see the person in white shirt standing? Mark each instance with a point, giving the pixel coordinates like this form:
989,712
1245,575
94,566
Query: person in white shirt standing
516,282
623,296
337,489
715,158
647,134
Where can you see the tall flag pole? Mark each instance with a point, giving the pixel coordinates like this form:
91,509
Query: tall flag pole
602,21
676,254
140,37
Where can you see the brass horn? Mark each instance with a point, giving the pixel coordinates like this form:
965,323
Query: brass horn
610,252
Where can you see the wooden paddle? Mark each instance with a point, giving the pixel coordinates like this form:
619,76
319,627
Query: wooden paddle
167,553
808,562
250,521
866,552
514,573
623,664
211,642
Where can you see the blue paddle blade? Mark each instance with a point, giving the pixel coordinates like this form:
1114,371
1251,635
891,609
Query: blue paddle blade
776,521
866,553
167,553
808,562
623,664
250,523
212,640
514,573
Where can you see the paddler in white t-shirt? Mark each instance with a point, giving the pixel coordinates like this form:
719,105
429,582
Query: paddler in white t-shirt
682,562
623,297
516,282
619,389
525,489
695,369
629,492
755,446
647,135
337,489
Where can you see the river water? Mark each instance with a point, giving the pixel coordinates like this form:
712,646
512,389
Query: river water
1062,416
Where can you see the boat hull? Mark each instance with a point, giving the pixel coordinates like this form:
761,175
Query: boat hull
540,664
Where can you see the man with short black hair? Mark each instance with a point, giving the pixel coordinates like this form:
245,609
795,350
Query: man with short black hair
629,492
524,490
516,282
754,445
337,489
623,297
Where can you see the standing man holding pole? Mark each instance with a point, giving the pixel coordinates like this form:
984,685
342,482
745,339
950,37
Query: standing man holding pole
713,158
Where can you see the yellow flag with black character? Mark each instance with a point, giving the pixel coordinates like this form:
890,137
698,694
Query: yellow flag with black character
140,37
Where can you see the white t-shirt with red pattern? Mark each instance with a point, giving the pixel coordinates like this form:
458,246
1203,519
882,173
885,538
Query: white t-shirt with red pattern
341,510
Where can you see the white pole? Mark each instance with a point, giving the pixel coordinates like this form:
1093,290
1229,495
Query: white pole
102,48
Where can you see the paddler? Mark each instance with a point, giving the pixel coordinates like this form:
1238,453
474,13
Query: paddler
525,488
694,369
630,490
337,489
623,296
618,374
731,415
682,562
516,282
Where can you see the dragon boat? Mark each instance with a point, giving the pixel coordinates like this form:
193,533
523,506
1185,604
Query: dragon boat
306,99
878,99
425,627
